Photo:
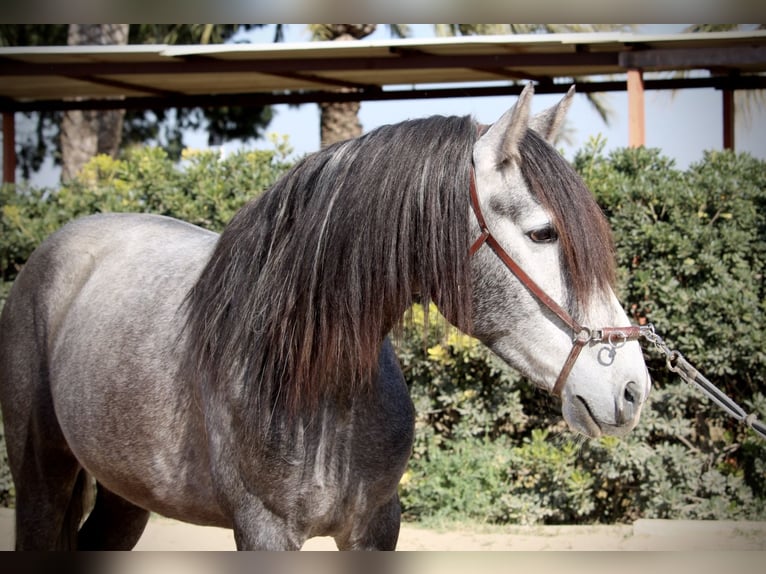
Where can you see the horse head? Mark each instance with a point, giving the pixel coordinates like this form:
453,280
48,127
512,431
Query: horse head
532,209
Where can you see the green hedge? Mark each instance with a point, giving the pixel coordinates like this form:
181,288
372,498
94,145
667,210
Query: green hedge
691,246
206,189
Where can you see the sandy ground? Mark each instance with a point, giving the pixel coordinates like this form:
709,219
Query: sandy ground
680,535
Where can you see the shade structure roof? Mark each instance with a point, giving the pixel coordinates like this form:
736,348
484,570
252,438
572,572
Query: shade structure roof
158,76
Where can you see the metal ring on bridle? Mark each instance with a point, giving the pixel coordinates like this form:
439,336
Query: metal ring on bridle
620,337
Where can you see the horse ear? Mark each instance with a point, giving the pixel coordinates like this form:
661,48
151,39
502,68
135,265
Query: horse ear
548,122
504,136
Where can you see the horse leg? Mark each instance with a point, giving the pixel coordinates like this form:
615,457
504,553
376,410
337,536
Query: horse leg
51,495
381,532
113,524
51,487
257,528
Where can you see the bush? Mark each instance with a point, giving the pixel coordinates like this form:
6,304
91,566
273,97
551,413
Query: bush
206,190
491,448
7,490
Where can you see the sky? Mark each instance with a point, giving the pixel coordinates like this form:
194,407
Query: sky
682,124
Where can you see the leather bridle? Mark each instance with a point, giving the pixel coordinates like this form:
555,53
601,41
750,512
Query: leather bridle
581,335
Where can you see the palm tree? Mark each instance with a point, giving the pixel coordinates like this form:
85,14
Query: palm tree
85,133
340,120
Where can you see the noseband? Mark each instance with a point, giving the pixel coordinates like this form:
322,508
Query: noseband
581,335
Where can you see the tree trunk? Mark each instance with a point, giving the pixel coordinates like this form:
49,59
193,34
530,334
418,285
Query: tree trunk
340,120
86,133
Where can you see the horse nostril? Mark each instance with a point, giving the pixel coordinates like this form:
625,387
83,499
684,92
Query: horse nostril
627,408
631,392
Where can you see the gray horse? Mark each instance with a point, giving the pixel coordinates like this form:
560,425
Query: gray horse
246,381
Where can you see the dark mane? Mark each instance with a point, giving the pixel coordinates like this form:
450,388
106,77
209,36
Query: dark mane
307,279
585,238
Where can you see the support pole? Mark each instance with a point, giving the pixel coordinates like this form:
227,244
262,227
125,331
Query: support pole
9,147
636,119
728,119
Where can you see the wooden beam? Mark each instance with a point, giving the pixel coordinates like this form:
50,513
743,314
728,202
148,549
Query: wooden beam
9,147
699,57
323,81
373,93
127,86
11,67
496,71
636,119
728,119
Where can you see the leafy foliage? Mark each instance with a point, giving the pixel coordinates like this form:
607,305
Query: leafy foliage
692,249
7,489
205,189
491,448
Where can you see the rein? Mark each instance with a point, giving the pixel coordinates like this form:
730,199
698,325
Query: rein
581,335
613,336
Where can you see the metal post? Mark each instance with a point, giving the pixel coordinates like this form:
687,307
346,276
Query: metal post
728,119
9,147
636,119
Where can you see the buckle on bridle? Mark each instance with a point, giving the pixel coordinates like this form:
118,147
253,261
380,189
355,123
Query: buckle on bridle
585,335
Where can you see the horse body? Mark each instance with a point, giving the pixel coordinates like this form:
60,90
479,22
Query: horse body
126,359
246,380
138,427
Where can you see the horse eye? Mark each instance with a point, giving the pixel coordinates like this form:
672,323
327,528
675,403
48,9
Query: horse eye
546,234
